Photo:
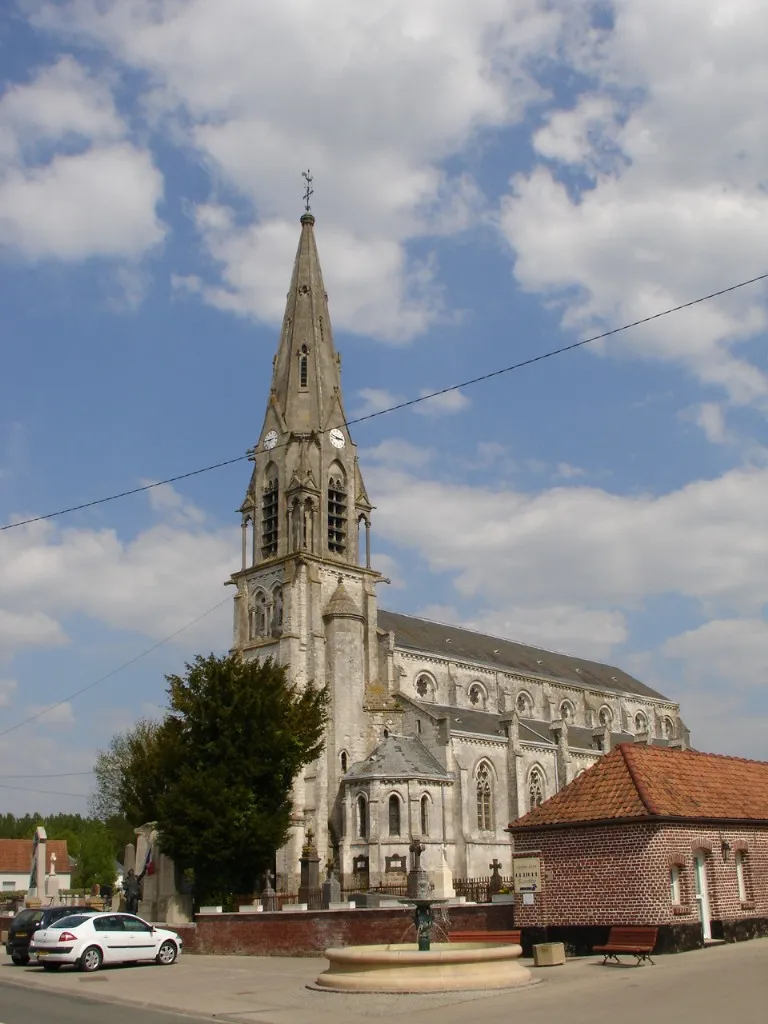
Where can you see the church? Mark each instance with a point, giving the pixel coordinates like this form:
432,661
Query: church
435,731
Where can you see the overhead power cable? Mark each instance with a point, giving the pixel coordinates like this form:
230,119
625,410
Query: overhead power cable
45,792
48,775
403,405
109,675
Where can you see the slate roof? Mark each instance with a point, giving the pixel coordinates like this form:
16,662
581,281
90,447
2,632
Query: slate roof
417,634
485,723
16,856
398,757
650,782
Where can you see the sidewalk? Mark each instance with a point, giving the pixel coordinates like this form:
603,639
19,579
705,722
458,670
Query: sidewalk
709,986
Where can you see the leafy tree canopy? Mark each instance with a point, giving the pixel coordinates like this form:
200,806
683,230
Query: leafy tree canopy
217,773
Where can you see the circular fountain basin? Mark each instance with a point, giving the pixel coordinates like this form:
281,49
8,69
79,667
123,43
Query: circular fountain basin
401,967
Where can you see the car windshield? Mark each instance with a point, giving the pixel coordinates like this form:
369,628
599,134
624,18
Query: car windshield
73,921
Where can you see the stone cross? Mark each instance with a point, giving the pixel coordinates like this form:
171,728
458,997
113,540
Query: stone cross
268,880
417,848
496,883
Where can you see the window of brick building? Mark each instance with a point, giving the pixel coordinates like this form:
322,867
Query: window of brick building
741,877
674,883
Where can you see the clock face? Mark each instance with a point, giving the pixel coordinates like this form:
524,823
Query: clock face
337,438
270,440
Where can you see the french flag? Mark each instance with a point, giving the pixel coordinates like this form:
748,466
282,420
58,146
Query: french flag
149,863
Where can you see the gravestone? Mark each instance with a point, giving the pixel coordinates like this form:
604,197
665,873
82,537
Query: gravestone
268,895
331,887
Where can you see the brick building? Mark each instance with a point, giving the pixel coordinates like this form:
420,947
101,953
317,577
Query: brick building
651,835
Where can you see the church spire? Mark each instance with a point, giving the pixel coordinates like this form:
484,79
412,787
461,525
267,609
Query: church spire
306,493
306,380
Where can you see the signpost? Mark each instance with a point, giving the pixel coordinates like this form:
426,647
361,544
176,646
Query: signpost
526,874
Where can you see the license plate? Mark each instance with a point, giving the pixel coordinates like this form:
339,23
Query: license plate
42,952
21,935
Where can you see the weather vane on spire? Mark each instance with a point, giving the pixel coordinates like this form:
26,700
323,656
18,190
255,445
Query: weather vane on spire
308,191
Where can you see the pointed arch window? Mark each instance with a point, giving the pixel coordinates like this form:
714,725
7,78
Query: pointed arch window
566,711
337,511
277,611
344,759
425,815
641,722
605,717
484,798
362,817
536,789
394,815
668,728
524,705
269,516
259,616
304,367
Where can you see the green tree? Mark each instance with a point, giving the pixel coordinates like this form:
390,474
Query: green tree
236,736
95,856
130,776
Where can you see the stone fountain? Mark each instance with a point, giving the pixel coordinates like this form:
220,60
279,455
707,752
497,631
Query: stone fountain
427,966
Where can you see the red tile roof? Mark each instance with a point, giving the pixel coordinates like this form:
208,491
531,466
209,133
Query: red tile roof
16,856
639,781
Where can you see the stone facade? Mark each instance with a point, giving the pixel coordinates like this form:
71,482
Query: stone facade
491,727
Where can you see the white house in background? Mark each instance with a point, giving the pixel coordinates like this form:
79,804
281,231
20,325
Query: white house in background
16,863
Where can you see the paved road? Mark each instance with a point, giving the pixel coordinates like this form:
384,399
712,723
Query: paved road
708,986
22,1006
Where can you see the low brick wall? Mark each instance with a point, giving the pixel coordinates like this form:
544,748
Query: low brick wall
308,933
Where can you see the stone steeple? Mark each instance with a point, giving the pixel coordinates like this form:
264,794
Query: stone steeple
306,381
306,492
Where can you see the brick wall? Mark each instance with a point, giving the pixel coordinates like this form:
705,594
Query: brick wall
620,874
296,933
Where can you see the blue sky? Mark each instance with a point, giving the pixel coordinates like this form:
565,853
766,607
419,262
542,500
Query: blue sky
491,181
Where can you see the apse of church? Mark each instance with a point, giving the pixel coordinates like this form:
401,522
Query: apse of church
434,731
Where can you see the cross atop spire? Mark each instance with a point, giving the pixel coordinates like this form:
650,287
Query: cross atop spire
308,191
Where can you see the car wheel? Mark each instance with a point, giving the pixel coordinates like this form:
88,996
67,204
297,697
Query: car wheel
167,953
91,959
51,967
19,959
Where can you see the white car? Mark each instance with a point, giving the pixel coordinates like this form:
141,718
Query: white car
96,939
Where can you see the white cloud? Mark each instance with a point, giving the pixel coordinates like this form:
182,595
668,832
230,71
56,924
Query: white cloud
373,100
585,547
710,417
97,203
442,405
53,716
72,185
375,400
396,452
731,649
154,583
582,632
34,628
672,138
568,472
7,689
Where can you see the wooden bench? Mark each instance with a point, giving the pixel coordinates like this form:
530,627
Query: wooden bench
503,938
634,941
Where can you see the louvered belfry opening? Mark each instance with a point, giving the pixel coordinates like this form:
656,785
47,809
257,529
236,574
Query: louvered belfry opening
337,515
269,519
